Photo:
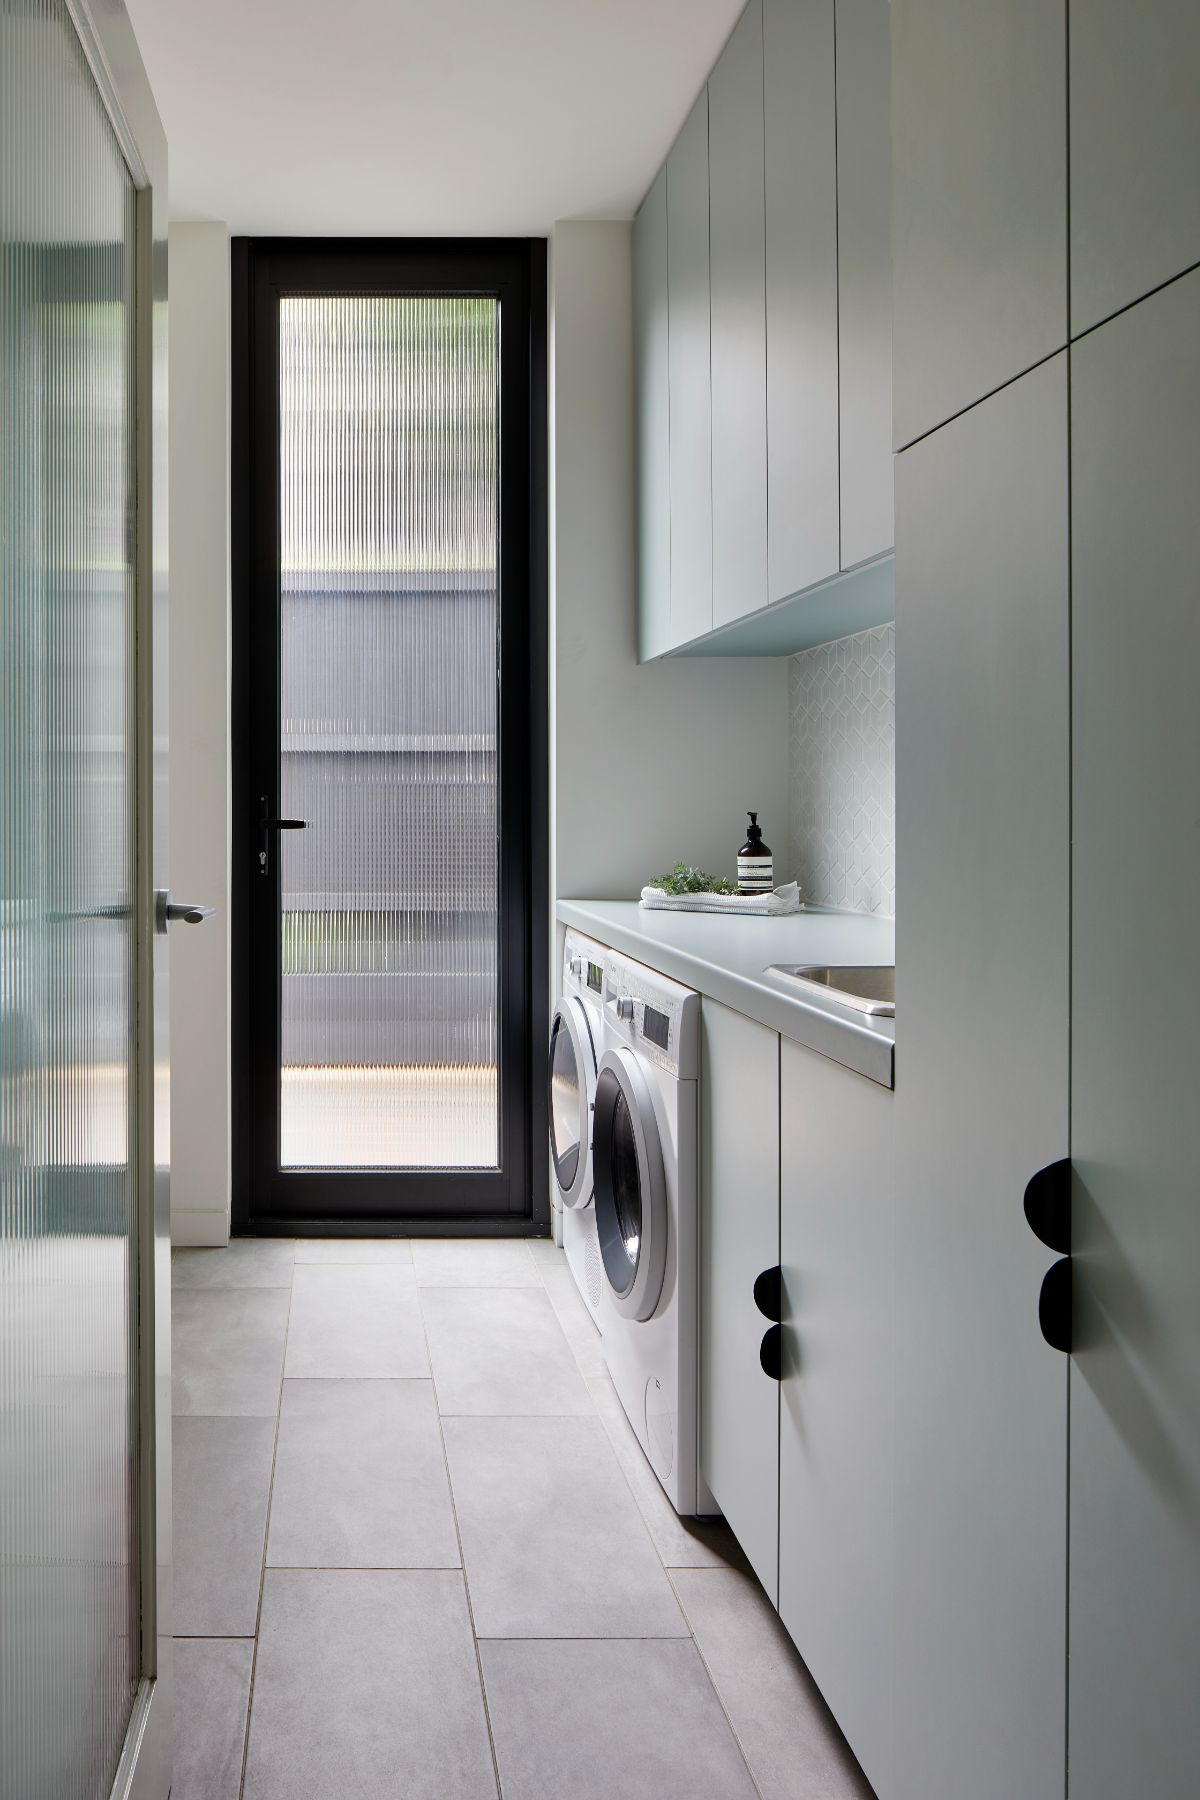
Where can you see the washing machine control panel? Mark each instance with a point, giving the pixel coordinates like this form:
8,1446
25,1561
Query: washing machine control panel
654,1014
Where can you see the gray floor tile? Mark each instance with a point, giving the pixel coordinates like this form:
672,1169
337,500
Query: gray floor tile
543,1249
473,1262
579,1328
367,1685
227,1350
553,1543
212,1677
355,1321
787,1733
360,1478
222,1484
681,1543
353,1250
243,1263
638,1721
500,1350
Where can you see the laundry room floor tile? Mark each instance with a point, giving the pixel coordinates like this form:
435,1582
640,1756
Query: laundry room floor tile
209,1739
367,1684
553,1543
431,1520
221,1491
360,1478
355,1321
788,1735
500,1351
470,1262
634,1720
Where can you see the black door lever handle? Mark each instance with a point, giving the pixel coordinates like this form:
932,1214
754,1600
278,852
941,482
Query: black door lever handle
266,825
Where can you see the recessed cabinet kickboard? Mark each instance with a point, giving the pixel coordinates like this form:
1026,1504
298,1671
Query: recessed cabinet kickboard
762,324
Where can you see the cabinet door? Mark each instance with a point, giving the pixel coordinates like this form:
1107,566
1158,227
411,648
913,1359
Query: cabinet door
1135,151
979,133
739,1405
864,259
802,295
739,391
983,836
691,433
837,1167
1135,1378
652,421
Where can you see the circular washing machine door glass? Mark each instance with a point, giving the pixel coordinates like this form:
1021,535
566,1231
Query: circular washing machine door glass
572,1085
630,1185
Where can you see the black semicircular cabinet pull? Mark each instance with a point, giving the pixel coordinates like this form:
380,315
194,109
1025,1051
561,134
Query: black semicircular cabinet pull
1055,1305
1048,1205
1048,1212
768,1293
770,1352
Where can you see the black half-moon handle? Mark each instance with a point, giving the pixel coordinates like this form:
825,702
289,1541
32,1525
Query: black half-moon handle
1055,1306
1048,1205
770,1352
768,1293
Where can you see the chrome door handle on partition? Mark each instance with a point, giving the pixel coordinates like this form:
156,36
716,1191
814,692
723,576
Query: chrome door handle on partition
168,912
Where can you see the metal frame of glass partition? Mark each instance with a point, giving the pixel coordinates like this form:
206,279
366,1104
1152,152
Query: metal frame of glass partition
110,47
269,1198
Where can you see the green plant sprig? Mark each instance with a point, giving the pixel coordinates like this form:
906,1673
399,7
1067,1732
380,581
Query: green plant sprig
684,879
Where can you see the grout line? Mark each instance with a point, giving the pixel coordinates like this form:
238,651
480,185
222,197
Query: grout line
262,1576
487,1711
712,1680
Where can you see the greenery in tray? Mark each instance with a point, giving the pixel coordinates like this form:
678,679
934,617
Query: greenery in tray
683,879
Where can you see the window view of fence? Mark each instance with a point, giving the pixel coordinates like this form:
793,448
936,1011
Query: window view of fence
388,522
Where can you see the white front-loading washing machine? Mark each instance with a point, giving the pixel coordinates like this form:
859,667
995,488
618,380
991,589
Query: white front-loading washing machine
645,1171
574,1056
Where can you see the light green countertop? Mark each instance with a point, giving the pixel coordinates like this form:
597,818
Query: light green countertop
726,959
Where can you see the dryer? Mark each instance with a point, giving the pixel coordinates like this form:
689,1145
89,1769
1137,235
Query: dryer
645,1167
573,1060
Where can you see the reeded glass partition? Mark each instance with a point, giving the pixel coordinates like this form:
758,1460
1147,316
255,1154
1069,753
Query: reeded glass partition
68,1573
388,677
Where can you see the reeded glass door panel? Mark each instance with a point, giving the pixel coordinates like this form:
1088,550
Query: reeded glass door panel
68,1569
388,501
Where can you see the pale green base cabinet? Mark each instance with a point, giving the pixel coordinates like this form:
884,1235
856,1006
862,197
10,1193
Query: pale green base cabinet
797,1173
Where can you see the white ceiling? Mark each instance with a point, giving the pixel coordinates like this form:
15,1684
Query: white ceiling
421,117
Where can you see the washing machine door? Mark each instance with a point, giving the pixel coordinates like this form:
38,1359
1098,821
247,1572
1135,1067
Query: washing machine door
572,1089
630,1184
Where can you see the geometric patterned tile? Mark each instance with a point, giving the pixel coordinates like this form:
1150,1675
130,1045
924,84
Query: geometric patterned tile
842,720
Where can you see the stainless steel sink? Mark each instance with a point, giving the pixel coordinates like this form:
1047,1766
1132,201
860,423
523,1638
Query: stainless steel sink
867,990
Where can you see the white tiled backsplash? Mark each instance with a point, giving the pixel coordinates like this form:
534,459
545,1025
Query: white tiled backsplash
843,771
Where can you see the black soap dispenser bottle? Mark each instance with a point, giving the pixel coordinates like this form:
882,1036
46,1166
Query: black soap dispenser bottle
756,865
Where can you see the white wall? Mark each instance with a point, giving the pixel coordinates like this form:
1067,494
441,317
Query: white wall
199,509
662,761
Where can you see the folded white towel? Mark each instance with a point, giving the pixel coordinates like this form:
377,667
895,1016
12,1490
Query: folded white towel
782,900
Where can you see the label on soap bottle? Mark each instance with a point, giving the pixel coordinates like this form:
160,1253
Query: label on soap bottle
756,874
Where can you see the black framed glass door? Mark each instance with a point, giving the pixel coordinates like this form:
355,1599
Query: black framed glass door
390,594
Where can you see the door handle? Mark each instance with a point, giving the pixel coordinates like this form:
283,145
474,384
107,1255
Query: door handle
168,912
768,1293
1048,1214
266,825
770,1352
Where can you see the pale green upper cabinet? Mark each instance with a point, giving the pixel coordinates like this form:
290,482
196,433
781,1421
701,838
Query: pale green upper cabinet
864,285
979,237
1135,151
802,295
774,517
652,422
691,425
739,326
